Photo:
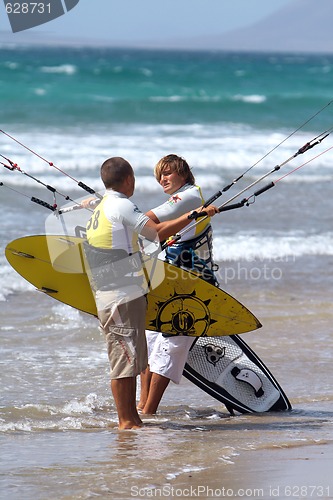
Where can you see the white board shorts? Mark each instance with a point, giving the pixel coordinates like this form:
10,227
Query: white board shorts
167,355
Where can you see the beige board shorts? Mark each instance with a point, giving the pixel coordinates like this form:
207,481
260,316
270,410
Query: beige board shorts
123,322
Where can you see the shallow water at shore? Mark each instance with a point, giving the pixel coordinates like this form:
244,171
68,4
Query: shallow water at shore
59,434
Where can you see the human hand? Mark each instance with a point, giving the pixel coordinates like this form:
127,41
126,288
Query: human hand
201,211
89,202
211,210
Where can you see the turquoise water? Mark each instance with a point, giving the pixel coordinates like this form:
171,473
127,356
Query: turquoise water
69,87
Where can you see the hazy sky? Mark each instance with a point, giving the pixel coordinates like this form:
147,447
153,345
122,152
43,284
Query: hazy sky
148,20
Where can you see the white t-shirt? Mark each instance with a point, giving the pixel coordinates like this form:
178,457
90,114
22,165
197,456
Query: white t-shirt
186,199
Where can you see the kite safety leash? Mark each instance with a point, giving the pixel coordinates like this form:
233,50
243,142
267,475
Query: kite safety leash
12,166
251,199
43,203
51,164
309,145
228,186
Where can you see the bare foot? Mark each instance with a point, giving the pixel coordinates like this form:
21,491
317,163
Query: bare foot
130,425
150,408
145,412
141,404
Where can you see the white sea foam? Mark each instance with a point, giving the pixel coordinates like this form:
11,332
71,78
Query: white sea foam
75,414
211,149
243,246
254,99
68,69
11,282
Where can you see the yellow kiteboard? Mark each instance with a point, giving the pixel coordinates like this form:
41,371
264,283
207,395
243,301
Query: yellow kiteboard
179,301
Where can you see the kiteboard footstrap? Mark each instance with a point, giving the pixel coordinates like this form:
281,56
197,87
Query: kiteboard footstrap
250,377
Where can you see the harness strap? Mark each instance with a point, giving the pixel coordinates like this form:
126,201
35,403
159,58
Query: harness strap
184,255
110,268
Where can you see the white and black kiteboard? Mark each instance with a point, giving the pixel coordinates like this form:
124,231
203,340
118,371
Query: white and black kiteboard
227,369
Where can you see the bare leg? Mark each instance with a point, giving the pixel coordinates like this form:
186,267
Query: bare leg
158,385
145,379
124,393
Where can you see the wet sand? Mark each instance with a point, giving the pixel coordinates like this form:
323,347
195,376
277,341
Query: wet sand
299,472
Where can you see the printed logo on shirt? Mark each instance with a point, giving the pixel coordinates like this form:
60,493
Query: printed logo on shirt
173,199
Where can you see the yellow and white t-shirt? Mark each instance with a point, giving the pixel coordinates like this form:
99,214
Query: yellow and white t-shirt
112,235
116,223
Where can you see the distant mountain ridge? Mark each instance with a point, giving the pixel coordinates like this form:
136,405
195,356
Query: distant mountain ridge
301,26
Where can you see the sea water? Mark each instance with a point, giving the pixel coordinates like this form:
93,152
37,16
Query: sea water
223,113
